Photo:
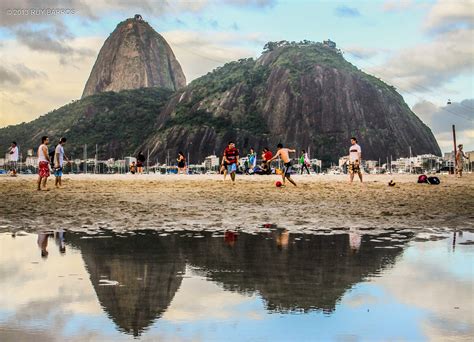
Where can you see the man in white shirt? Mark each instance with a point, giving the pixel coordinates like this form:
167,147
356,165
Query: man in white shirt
355,157
59,157
13,158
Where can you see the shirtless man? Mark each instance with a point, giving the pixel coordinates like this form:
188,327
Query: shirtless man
283,153
43,164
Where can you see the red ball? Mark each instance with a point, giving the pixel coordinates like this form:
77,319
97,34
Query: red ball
278,184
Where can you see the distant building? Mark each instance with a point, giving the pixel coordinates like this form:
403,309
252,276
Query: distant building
138,17
343,161
31,161
211,162
369,165
130,160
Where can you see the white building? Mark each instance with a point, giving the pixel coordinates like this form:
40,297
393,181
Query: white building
211,162
31,161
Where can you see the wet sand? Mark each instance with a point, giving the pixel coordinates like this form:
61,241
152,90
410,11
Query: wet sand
319,203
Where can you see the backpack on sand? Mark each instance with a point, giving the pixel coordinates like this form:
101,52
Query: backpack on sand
433,180
422,179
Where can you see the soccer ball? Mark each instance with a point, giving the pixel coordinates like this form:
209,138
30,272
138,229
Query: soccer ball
278,184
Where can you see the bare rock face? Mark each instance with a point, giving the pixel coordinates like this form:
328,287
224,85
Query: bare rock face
303,95
134,56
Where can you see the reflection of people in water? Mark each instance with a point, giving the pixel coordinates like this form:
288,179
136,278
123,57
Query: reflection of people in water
59,238
282,238
230,238
354,240
43,243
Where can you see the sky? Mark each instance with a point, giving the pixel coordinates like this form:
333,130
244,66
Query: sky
423,48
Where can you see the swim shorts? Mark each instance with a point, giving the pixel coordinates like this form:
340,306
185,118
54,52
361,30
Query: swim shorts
354,168
58,172
43,170
231,168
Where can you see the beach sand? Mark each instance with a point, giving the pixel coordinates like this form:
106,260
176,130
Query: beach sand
320,203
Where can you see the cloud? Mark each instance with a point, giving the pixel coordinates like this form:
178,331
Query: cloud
397,5
430,65
200,52
422,281
16,74
441,119
362,52
447,15
251,3
42,84
41,31
345,11
43,40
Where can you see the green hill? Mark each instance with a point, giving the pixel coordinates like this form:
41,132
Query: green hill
117,122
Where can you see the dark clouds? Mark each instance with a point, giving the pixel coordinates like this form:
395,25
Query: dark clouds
441,119
16,74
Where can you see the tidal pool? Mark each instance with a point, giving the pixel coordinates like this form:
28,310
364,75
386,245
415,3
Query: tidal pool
273,285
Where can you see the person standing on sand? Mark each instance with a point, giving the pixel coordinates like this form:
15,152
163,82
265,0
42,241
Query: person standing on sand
181,163
43,163
133,168
140,162
13,151
284,154
59,157
304,161
355,158
231,157
460,160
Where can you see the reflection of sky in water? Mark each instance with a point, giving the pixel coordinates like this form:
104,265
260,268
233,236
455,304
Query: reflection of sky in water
427,294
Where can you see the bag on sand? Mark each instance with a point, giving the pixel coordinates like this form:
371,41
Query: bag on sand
434,180
422,179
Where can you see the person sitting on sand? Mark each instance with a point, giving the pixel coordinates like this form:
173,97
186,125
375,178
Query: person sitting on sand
267,157
283,153
355,158
133,168
43,164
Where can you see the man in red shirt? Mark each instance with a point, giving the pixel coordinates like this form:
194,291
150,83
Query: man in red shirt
267,155
231,158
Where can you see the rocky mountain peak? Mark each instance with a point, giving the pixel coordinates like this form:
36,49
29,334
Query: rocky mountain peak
134,56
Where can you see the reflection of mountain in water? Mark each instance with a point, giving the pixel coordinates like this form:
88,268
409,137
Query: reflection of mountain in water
311,274
148,269
290,272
